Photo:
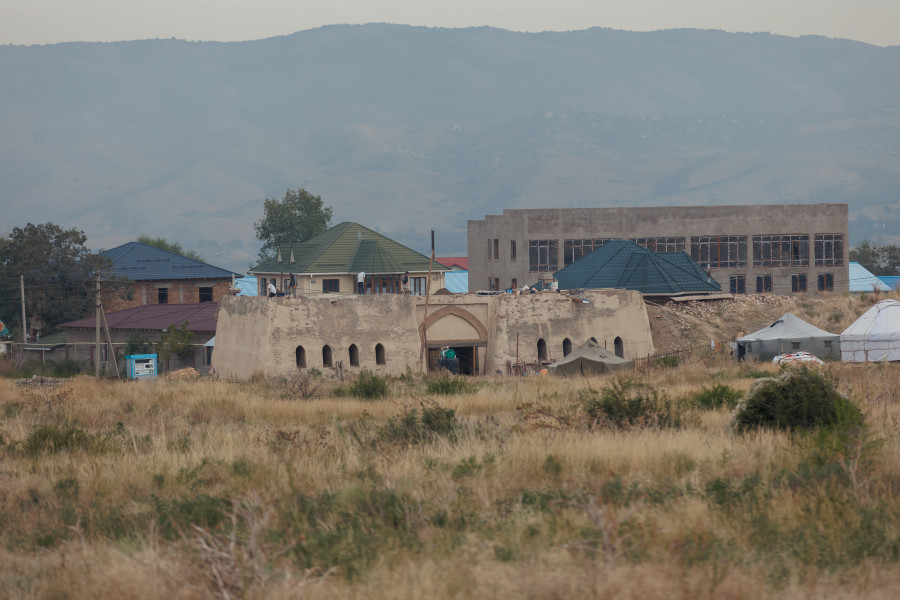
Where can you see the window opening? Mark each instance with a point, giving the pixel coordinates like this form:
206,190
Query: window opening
619,346
829,249
354,355
763,284
379,355
826,282
798,282
300,355
162,295
543,255
567,347
737,284
720,251
205,294
781,250
512,249
326,356
331,285
542,349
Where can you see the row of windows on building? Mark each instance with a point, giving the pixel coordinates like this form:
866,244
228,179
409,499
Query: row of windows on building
205,294
543,353
737,284
711,251
389,283
331,355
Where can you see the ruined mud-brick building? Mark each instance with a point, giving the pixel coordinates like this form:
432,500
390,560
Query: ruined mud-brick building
780,249
390,334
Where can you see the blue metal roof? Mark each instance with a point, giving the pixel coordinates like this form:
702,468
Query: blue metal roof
862,280
457,282
248,286
141,262
892,280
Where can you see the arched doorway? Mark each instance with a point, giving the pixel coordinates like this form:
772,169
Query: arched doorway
354,355
326,356
620,347
541,349
379,355
456,328
567,347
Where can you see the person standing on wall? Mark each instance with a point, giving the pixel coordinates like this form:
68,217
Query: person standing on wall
405,281
271,288
361,283
293,286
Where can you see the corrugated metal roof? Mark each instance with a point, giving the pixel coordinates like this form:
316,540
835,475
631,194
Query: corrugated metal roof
457,282
893,281
346,248
141,262
623,264
248,286
455,262
862,280
200,317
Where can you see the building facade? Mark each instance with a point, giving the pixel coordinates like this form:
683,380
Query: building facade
780,249
393,334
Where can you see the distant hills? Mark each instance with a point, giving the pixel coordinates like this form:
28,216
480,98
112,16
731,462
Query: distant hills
405,129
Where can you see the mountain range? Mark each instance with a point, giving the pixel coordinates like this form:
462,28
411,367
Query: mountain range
407,129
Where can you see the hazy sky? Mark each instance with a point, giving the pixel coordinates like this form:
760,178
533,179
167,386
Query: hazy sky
50,21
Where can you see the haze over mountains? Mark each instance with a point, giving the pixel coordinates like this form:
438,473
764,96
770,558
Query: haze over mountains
405,129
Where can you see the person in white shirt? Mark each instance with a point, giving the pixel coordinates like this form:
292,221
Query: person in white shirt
271,289
361,283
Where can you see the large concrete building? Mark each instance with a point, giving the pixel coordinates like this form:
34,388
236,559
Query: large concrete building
780,249
389,333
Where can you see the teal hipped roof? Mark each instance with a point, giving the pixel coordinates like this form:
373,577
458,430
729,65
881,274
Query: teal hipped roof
346,248
623,264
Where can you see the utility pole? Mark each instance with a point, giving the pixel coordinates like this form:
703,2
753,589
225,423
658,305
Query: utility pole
24,324
97,323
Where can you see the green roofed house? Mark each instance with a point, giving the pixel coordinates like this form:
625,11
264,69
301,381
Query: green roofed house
331,261
623,264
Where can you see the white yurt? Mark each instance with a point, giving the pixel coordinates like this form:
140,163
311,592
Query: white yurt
875,336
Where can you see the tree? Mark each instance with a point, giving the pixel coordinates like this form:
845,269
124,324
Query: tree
174,247
294,218
58,270
880,260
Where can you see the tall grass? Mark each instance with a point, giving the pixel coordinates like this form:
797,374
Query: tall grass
184,489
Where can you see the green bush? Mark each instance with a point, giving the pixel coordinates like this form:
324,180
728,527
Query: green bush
717,396
369,386
668,361
450,385
627,403
50,439
66,367
421,426
797,399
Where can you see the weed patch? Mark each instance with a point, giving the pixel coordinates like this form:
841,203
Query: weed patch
626,403
448,386
369,386
718,396
424,425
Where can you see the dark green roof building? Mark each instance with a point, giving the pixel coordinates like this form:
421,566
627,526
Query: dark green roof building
623,264
331,261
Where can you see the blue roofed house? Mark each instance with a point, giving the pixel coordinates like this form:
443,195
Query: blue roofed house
892,281
158,276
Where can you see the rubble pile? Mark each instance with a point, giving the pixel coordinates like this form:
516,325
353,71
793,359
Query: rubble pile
705,310
184,373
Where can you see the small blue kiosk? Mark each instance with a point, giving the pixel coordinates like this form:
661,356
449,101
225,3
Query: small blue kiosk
141,366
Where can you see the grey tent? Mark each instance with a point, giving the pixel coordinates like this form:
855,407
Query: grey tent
589,359
788,334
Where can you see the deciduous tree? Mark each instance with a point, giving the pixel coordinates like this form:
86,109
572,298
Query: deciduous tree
296,217
58,270
174,247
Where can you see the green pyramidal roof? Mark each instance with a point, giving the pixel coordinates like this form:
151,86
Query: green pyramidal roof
346,248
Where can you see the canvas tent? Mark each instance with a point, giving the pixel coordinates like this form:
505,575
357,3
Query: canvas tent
589,359
788,334
875,336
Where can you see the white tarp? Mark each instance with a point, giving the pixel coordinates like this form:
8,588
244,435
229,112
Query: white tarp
875,336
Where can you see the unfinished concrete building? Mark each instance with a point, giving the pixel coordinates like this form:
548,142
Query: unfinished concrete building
391,334
779,249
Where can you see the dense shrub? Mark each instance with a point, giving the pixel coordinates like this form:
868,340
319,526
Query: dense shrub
421,426
797,399
369,386
717,396
626,403
67,367
50,439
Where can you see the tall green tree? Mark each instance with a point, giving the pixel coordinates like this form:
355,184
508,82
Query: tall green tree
58,269
296,217
879,259
174,247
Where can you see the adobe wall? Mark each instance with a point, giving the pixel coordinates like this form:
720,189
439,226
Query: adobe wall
264,334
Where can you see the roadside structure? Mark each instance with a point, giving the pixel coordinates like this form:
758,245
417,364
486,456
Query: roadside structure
394,334
157,276
782,249
330,262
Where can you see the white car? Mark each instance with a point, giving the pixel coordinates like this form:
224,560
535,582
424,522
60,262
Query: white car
797,357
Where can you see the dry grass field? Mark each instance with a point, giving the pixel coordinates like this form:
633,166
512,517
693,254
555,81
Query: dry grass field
497,487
